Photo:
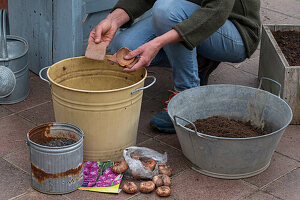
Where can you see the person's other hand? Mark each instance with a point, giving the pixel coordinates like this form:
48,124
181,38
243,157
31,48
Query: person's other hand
149,50
104,31
147,53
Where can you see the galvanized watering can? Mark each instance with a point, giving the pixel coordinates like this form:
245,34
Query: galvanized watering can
14,86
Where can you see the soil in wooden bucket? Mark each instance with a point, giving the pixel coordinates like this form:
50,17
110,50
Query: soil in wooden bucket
59,142
289,42
223,127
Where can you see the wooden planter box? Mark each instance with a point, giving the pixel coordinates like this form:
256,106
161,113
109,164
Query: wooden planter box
273,64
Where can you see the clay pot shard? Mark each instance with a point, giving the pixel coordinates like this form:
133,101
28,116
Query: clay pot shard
120,57
133,63
113,59
96,51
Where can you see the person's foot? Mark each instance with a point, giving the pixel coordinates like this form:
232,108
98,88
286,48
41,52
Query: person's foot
162,120
206,69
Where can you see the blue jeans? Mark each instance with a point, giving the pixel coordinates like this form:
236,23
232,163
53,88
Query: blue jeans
224,45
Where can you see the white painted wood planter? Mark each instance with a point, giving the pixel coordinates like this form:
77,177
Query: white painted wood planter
273,64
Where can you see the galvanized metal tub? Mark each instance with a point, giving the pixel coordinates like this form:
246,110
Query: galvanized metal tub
229,158
14,51
56,170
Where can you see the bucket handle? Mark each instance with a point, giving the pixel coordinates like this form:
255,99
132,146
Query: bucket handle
142,88
269,79
4,30
41,76
194,127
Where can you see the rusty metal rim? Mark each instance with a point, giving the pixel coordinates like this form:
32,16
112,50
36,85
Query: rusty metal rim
29,142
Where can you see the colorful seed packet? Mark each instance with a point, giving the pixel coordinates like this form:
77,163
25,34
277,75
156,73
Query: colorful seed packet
99,177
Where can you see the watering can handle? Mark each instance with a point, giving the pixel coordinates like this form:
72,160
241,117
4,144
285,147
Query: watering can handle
41,76
269,79
4,30
142,88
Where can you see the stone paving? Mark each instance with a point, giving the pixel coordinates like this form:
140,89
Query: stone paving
280,181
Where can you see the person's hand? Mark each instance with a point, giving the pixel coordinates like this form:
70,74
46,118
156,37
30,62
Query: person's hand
149,50
104,31
147,53
107,28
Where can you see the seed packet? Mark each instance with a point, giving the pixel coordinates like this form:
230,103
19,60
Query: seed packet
99,177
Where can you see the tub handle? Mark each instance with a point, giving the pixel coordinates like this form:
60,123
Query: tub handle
269,79
41,76
142,88
195,129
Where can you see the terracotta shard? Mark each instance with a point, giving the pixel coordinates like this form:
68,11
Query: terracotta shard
113,59
133,63
120,57
96,51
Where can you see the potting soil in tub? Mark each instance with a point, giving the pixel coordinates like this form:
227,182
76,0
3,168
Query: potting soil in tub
223,127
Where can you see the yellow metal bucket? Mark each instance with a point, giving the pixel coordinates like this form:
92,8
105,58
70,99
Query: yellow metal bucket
102,100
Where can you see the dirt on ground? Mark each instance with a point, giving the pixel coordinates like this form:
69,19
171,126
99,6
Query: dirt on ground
289,43
59,142
223,127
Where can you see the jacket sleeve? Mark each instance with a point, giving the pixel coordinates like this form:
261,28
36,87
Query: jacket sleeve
204,21
134,8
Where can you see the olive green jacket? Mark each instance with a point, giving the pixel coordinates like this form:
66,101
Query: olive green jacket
244,14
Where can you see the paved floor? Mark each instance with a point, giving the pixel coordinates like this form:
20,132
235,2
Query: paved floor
280,181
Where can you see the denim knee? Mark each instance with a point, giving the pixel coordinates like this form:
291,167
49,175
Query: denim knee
166,12
123,39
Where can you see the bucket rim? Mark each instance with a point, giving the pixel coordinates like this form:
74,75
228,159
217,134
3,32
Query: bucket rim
30,142
25,45
92,91
228,138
